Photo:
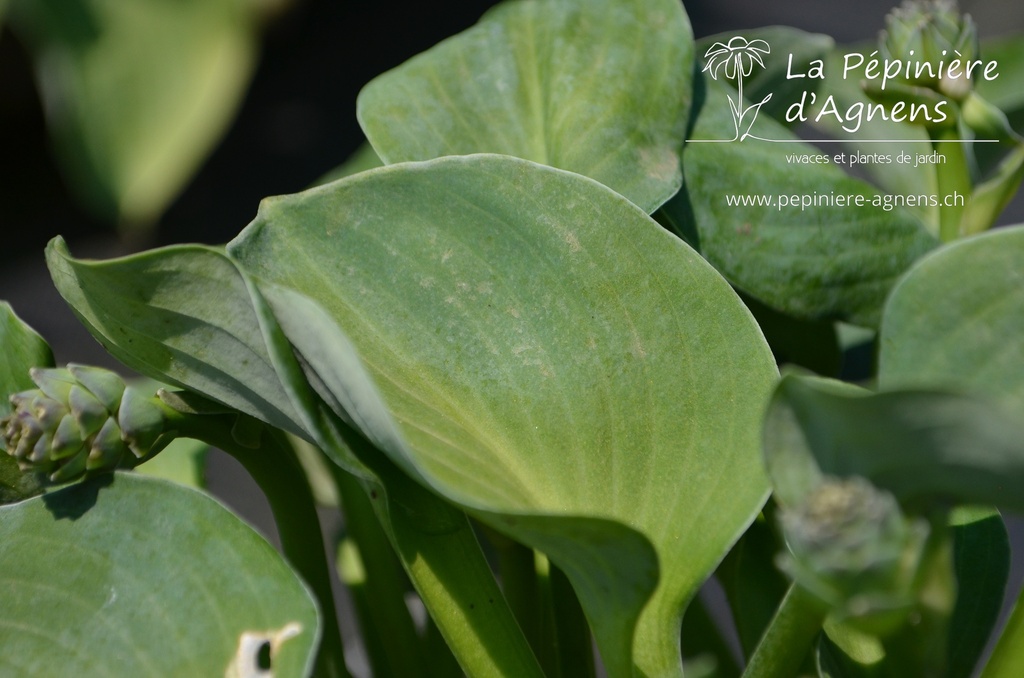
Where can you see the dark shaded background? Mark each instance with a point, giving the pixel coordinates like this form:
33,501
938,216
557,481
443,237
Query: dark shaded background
297,122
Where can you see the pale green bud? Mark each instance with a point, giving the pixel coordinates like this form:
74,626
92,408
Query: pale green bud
850,545
88,411
54,382
141,421
106,448
67,438
932,32
105,385
80,419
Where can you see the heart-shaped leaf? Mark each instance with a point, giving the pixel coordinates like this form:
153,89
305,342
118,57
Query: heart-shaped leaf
624,559
540,351
772,226
125,575
599,87
137,93
956,320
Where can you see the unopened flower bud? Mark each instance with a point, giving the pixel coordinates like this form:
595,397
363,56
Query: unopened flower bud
850,545
931,32
80,419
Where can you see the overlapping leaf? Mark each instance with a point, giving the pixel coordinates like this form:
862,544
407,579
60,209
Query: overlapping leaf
186,315
599,87
181,315
538,350
130,576
814,260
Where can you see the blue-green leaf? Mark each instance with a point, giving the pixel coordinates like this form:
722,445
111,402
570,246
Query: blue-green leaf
956,319
531,345
599,87
130,576
784,240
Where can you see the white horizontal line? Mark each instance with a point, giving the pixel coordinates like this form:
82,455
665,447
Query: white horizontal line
847,141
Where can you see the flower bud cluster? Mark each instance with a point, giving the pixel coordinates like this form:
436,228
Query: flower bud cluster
940,42
850,544
80,419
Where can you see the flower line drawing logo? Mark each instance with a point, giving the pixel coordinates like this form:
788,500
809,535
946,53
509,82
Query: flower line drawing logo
736,61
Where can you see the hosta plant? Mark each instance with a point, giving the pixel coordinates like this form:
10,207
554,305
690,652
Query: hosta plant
532,350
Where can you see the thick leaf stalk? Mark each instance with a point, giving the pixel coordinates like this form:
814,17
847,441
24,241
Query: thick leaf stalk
81,420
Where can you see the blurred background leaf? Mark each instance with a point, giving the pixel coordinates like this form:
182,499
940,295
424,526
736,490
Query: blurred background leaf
137,93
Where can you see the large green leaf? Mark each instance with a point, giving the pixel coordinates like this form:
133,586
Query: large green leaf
22,349
599,87
137,93
956,320
816,261
614,557
433,539
186,315
129,576
531,345
181,315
